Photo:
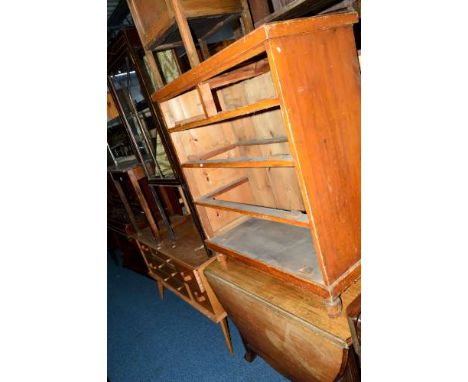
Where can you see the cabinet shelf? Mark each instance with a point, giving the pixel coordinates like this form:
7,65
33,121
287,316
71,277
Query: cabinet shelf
295,218
284,247
250,142
242,162
281,216
264,104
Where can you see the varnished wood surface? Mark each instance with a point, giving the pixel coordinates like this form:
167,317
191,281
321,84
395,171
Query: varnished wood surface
242,162
226,115
307,306
286,326
321,110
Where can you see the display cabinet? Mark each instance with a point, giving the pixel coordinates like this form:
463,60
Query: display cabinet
268,135
128,81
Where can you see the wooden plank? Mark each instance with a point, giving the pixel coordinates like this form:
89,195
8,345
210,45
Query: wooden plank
185,33
231,114
267,141
212,153
126,204
242,162
289,217
206,97
258,9
247,47
246,17
243,73
250,142
204,48
155,74
144,203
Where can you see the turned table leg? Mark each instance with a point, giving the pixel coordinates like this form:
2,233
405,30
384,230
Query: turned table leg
161,289
227,336
333,306
249,355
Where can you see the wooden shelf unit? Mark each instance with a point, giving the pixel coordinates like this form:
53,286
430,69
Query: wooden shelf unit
268,135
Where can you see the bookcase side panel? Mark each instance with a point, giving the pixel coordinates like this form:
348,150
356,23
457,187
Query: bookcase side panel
318,82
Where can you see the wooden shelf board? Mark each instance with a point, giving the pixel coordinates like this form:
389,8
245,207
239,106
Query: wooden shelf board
284,247
251,142
244,73
259,142
264,104
281,216
243,162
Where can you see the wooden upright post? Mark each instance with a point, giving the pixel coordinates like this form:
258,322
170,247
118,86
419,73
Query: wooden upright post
154,69
185,33
246,18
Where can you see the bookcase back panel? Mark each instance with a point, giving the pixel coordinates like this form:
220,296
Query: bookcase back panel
185,107
246,92
198,143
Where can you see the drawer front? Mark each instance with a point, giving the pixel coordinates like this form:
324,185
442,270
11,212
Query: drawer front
183,279
180,275
167,276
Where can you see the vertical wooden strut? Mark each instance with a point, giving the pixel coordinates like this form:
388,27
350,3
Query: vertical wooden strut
185,33
154,69
246,17
227,336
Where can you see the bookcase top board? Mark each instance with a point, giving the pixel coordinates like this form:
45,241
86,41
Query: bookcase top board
247,47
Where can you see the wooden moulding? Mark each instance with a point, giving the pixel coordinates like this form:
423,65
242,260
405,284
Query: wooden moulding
226,115
248,47
243,162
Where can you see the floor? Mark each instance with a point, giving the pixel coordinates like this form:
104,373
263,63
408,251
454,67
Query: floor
154,340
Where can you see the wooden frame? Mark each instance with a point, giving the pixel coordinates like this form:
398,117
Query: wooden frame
309,103
128,44
156,21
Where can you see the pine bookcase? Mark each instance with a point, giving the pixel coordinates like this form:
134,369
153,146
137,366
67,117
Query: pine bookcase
267,132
